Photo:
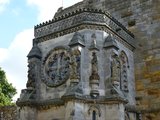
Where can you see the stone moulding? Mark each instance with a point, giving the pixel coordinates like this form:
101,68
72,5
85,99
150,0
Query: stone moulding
86,17
40,103
61,101
61,16
85,26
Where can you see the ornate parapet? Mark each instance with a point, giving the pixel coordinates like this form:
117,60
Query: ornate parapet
83,18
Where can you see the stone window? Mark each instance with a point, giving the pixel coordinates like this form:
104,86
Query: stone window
94,112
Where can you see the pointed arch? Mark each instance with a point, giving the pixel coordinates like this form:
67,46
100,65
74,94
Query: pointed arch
94,110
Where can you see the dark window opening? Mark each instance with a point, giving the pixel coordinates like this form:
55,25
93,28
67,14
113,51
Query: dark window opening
94,115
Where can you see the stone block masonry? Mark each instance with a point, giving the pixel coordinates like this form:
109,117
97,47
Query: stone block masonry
9,113
142,18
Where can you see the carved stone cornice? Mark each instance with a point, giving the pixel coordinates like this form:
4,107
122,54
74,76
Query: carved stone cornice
74,21
98,100
40,103
61,101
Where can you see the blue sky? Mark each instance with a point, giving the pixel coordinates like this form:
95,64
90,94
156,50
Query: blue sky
17,19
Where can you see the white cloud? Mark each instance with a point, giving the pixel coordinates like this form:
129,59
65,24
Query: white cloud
3,4
47,8
14,60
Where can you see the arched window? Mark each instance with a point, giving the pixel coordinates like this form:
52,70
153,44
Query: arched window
94,115
94,112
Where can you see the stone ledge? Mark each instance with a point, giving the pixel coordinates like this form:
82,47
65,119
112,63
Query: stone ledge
36,103
60,102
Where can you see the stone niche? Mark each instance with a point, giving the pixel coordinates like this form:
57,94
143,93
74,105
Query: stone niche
80,68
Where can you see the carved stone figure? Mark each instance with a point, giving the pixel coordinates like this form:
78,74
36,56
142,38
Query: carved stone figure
115,70
94,62
75,64
94,78
31,75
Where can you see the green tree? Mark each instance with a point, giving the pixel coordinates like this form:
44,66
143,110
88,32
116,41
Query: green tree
7,91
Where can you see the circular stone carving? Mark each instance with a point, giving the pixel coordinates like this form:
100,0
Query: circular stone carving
56,68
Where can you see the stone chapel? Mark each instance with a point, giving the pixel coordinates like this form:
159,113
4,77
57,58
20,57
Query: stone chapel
81,67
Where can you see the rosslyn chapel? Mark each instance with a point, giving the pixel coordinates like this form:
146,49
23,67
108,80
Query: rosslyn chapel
80,67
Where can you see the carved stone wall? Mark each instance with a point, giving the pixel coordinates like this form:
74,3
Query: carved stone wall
9,113
142,18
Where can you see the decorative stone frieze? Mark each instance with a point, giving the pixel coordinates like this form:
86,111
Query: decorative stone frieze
84,16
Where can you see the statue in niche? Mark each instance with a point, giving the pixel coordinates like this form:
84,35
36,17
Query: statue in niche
31,75
115,70
94,62
75,64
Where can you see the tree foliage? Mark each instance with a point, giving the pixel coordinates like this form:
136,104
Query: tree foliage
7,91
